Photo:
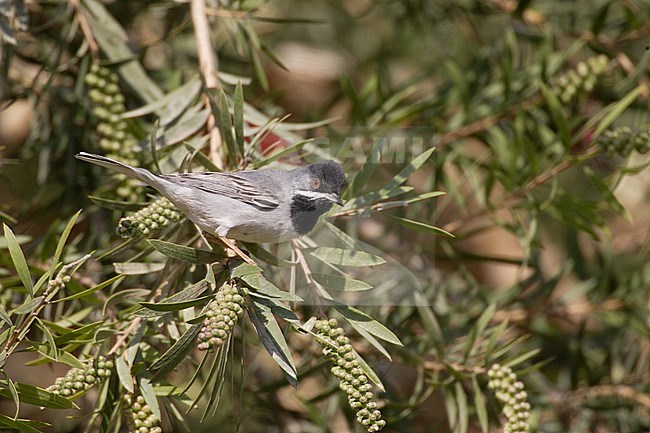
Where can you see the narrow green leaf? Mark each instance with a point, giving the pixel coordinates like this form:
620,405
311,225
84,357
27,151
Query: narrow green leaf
49,339
258,66
263,287
112,38
225,126
54,354
607,195
496,333
375,196
64,238
185,295
221,113
22,425
153,145
28,306
8,218
598,23
21,239
124,372
91,290
521,358
271,337
279,309
36,396
116,204
411,168
184,253
171,105
18,258
238,116
480,407
478,329
266,256
424,196
12,391
244,269
178,100
613,111
137,268
337,282
372,340
108,405
149,395
345,257
4,316
366,322
177,353
463,409
80,332
419,226
374,377
175,306
281,153
367,169
559,115
269,52
192,120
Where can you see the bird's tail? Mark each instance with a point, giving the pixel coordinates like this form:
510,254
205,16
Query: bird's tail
137,173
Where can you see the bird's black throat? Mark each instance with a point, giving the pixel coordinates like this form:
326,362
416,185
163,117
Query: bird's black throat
305,212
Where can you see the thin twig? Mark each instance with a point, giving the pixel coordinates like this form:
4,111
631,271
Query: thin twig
208,64
300,257
230,244
122,339
51,290
85,29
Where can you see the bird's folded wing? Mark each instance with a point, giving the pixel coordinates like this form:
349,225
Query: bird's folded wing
229,185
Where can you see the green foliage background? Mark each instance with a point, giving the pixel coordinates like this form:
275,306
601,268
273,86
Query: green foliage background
538,112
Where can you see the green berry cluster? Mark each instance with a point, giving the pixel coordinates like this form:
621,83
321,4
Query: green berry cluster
511,393
582,79
115,141
353,381
221,317
623,140
78,380
148,220
138,414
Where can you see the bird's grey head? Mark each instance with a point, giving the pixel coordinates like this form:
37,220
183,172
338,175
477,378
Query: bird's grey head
317,186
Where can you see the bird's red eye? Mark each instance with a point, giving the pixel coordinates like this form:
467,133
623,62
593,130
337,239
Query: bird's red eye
315,183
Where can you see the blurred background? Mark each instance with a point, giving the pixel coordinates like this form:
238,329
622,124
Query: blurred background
538,111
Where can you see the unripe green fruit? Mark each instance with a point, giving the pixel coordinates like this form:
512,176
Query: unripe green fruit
337,349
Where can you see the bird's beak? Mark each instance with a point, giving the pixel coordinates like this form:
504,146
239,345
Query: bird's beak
334,198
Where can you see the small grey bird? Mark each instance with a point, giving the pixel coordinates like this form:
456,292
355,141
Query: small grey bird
262,206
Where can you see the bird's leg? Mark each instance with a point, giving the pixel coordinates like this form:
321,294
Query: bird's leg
230,244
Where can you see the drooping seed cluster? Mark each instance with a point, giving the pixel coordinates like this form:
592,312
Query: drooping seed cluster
221,317
623,140
353,381
511,393
115,140
148,220
78,380
582,79
138,414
